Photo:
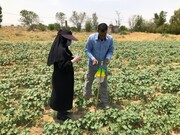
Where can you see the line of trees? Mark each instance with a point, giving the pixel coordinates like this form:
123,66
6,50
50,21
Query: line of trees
157,24
31,19
136,23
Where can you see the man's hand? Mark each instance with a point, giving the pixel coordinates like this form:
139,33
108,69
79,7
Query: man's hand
95,62
107,61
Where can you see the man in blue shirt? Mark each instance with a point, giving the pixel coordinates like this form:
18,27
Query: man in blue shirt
99,49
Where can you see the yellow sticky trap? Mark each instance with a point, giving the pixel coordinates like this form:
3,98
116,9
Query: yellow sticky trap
100,75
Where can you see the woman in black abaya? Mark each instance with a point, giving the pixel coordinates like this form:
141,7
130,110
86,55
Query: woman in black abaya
63,75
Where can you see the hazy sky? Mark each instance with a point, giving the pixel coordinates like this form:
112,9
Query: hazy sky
105,9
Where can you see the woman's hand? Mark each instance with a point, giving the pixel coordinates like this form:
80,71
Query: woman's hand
76,59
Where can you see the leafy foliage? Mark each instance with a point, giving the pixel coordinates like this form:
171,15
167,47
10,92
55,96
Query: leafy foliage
29,17
77,19
143,89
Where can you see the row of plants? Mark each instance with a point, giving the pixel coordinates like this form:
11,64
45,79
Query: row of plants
144,93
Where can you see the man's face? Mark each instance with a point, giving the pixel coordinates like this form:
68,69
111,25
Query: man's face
102,35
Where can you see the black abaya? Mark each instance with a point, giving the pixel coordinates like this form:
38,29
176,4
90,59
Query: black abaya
63,88
63,75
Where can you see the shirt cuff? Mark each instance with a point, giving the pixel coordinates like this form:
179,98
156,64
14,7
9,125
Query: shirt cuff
108,58
92,58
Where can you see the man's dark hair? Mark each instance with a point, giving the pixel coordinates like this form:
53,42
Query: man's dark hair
102,27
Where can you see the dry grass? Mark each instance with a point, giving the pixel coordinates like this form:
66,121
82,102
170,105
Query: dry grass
17,34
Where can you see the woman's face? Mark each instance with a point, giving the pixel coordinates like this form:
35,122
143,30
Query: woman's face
68,43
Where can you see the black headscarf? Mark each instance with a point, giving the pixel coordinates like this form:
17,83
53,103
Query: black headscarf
59,51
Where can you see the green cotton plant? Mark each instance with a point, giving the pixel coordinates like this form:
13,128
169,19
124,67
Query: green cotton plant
158,125
164,104
127,122
7,124
170,81
175,118
68,127
72,127
92,121
143,85
51,128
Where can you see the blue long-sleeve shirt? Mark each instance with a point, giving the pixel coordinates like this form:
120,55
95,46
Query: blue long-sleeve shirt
99,50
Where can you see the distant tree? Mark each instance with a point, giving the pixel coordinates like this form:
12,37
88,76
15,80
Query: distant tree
39,26
94,21
175,19
160,19
118,22
123,28
55,26
77,19
175,22
174,29
131,21
29,18
51,27
60,17
139,24
150,26
0,16
88,25
163,28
